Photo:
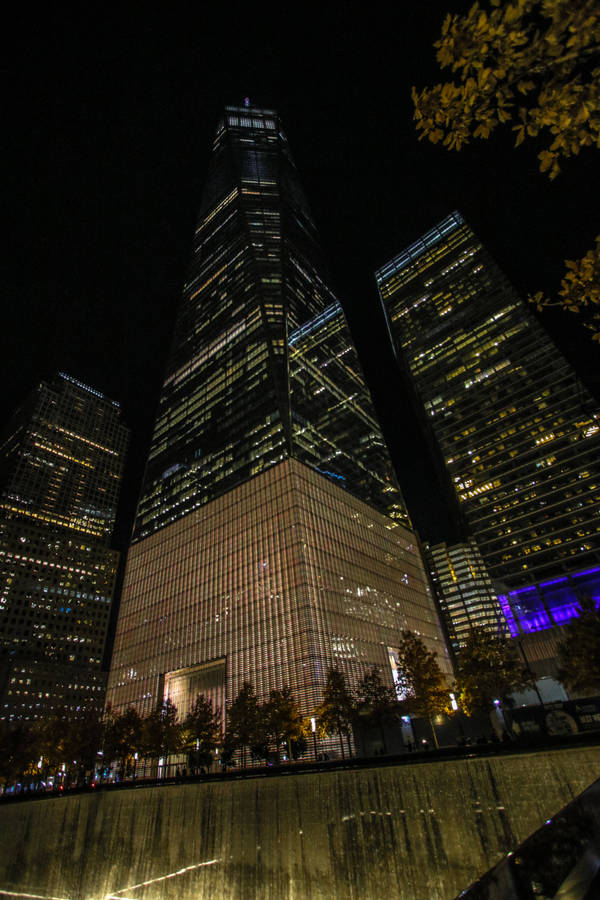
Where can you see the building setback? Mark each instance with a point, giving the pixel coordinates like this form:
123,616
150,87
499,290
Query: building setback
518,433
271,538
61,464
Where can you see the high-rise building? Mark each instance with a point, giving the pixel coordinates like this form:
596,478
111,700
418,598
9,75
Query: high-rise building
61,463
464,590
271,538
517,431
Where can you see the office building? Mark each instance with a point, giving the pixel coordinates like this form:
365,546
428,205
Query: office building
61,463
464,590
271,538
518,433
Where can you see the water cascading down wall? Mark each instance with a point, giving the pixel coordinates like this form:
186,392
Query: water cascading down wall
424,830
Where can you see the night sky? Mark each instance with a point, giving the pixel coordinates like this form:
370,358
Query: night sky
110,126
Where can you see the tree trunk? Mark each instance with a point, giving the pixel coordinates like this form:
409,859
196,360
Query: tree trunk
381,729
341,743
435,740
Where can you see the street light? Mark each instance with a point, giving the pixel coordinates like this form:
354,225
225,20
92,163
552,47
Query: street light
313,728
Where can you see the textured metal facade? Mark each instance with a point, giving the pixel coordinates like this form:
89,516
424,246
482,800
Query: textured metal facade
283,576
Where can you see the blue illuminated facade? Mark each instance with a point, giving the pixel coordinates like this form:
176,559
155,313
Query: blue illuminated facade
550,603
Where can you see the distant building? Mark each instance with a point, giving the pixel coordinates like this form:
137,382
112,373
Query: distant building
518,433
61,463
271,538
464,590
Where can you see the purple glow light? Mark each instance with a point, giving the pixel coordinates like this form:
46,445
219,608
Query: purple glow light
508,615
587,572
543,606
554,581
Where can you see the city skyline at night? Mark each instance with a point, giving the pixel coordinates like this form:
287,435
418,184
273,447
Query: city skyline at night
105,186
271,540
300,562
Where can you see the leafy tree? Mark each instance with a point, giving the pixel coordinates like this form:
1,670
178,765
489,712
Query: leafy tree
298,745
161,733
488,668
579,290
201,731
423,688
335,713
283,720
260,748
579,653
122,736
535,63
48,743
228,750
242,721
17,750
377,703
83,738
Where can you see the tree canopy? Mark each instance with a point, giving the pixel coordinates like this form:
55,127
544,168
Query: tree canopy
488,669
335,713
282,719
579,290
535,64
423,688
377,703
579,653
242,721
201,731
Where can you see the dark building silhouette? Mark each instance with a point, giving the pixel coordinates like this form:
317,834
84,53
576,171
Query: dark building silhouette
271,538
61,463
517,432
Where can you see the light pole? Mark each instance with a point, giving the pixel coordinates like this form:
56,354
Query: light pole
313,728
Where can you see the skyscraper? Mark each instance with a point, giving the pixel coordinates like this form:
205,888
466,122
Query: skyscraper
61,464
464,590
518,433
271,538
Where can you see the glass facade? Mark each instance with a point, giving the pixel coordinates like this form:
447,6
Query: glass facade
518,433
62,460
271,533
258,311
334,429
464,590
